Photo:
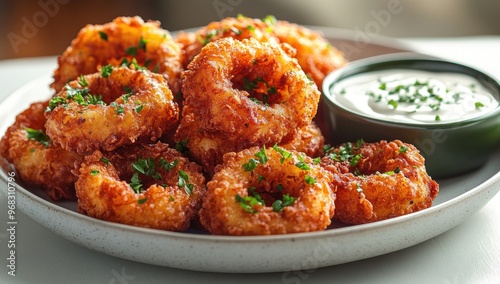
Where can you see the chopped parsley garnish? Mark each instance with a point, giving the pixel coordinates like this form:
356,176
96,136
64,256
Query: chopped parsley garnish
141,201
252,163
262,155
82,81
104,160
39,136
119,107
103,35
94,172
139,107
403,149
279,205
131,51
301,164
135,183
270,20
106,71
310,180
345,153
249,201
146,167
55,102
182,146
205,40
284,153
167,166
142,44
183,182
126,63
260,86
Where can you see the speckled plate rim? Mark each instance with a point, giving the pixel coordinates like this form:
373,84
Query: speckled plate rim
460,197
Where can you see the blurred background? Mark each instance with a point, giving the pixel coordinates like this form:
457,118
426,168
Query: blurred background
46,27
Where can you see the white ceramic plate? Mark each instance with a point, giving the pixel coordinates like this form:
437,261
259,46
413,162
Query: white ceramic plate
459,197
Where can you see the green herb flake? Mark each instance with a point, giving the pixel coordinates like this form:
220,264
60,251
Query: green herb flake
245,203
279,205
82,81
310,180
181,146
104,160
183,182
142,200
167,166
106,71
103,35
250,165
478,105
270,20
403,149
39,136
139,108
94,172
142,43
132,51
135,183
393,103
55,102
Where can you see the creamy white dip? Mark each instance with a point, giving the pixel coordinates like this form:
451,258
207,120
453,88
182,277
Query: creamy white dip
414,96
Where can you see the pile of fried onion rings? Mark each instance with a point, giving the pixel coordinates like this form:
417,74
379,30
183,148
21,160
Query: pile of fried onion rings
212,129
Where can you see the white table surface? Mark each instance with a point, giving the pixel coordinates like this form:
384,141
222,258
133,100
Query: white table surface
468,253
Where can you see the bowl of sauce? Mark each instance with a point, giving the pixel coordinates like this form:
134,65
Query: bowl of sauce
449,111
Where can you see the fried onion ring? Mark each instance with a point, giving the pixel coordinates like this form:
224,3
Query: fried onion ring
239,28
124,40
243,94
36,159
377,181
165,193
261,191
315,54
104,112
308,140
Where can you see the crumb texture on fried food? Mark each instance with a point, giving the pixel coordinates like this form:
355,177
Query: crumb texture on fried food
140,185
380,180
124,41
240,94
36,159
263,191
103,112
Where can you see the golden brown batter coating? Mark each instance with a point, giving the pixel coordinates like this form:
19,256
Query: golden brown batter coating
243,94
262,191
377,181
36,159
125,39
141,185
108,109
